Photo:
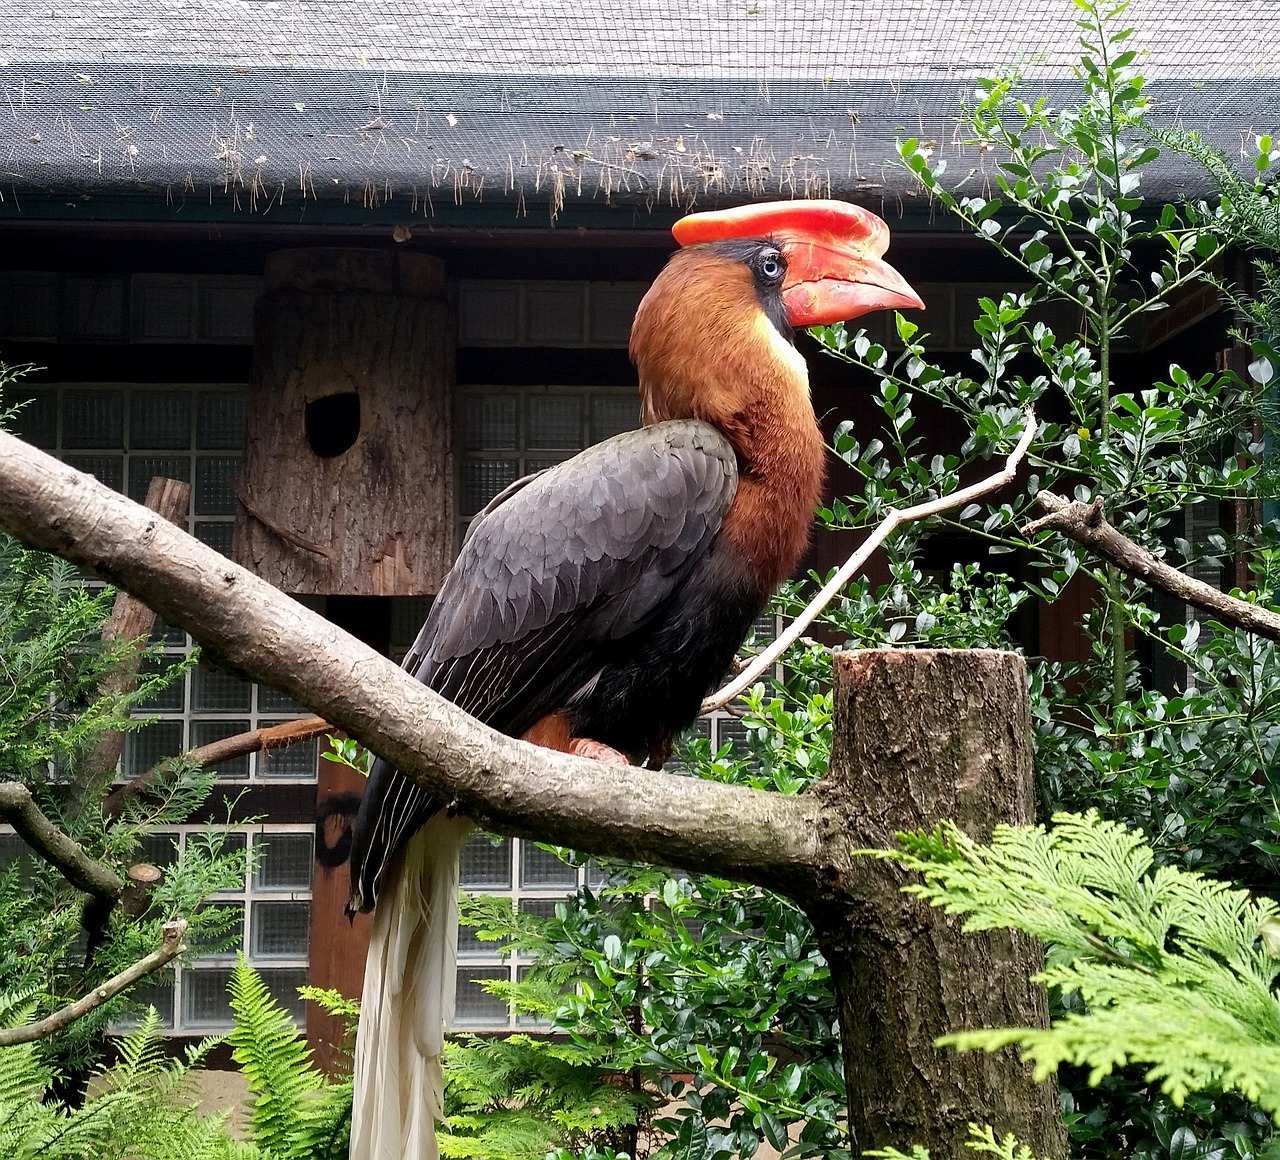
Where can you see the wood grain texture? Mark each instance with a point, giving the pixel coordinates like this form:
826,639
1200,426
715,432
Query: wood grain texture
925,735
376,519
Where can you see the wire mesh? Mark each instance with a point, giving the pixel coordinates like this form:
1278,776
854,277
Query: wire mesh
655,102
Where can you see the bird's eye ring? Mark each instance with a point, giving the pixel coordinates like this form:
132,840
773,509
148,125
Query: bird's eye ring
771,267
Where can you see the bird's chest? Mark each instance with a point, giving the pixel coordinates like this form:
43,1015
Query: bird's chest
649,687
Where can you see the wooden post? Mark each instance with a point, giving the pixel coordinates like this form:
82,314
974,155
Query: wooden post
130,619
347,481
923,735
338,945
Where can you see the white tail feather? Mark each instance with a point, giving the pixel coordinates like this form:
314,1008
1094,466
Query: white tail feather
409,982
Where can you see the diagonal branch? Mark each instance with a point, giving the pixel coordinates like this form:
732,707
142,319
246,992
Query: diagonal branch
19,809
851,567
224,749
506,785
169,949
1085,524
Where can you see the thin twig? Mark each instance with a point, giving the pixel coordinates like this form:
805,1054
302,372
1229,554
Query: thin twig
894,520
279,530
1086,525
224,749
19,809
169,949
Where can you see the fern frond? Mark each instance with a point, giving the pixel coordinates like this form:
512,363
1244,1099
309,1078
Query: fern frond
981,1140
296,1111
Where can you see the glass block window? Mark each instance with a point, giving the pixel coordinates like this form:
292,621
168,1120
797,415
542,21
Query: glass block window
544,313
163,309
535,880
273,909
124,435
274,927
29,305
508,432
93,309
41,306
209,705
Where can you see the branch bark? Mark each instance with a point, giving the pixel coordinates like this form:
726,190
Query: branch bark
962,721
928,734
19,809
224,749
506,785
169,949
1086,525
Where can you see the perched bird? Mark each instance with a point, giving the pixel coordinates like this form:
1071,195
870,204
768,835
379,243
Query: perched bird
594,605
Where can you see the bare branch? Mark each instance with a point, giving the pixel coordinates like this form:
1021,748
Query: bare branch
894,520
504,784
224,749
19,809
1085,524
169,949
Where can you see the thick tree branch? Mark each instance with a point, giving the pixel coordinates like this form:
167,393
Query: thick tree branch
506,785
19,809
1085,524
169,949
224,749
761,664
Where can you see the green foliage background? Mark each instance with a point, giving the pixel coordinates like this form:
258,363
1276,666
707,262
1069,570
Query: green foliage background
697,1016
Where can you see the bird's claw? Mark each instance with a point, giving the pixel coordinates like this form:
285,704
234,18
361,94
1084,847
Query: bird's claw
597,751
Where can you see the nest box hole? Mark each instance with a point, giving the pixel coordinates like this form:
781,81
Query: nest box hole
333,423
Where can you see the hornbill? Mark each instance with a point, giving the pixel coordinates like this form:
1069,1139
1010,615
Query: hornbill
595,604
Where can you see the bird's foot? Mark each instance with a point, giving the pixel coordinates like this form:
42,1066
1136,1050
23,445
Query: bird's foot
597,751
659,754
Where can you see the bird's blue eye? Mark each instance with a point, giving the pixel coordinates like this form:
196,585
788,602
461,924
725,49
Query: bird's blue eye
770,268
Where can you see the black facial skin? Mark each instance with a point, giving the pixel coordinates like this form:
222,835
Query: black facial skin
768,266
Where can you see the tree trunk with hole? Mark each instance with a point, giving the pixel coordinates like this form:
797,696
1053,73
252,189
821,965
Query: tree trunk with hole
920,736
347,480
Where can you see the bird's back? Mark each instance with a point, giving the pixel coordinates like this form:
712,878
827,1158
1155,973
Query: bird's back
599,589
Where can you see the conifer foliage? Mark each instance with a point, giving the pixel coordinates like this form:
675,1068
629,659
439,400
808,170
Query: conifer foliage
1176,970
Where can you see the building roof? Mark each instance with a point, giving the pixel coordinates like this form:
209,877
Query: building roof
271,106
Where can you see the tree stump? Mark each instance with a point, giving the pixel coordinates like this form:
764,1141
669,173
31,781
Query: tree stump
920,736
347,481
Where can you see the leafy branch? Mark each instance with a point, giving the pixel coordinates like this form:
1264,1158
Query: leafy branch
170,948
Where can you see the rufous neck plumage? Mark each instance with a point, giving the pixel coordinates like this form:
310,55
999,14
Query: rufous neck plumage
705,349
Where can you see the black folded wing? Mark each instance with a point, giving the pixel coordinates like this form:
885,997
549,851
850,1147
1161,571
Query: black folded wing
558,569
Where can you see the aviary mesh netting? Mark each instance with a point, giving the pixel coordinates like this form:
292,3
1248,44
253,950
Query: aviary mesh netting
654,102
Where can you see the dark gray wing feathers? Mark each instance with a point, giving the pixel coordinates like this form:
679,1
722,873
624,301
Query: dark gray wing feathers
555,569
621,521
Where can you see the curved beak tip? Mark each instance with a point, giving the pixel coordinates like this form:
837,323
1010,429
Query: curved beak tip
836,278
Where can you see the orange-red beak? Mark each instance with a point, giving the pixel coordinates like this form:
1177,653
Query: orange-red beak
833,248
